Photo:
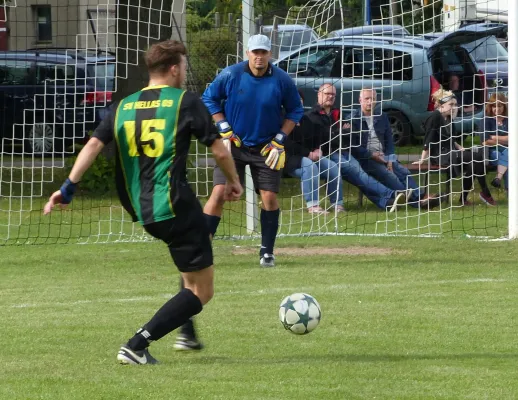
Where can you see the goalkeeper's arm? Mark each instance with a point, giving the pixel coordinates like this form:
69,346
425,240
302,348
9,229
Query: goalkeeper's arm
84,160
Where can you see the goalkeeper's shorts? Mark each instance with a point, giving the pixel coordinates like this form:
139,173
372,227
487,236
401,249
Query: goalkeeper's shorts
263,177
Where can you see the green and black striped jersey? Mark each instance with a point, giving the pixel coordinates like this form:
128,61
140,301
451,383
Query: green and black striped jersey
153,129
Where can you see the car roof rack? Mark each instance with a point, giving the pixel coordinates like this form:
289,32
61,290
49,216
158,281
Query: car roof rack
70,51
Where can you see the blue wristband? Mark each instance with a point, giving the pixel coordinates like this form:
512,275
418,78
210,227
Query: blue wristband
67,191
223,126
280,137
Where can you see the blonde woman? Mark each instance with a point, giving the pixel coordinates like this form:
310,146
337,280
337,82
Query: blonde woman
441,148
496,128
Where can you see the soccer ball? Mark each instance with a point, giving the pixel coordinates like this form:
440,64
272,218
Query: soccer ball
299,313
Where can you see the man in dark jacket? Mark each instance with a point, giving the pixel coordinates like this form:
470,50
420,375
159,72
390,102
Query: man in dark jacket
319,130
378,158
309,161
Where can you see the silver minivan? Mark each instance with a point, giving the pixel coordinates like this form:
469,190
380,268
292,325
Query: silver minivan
406,71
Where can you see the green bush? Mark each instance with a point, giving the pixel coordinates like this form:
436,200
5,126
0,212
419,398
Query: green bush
208,53
100,177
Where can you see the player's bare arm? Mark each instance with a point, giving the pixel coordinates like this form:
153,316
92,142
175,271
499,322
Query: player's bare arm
287,126
85,159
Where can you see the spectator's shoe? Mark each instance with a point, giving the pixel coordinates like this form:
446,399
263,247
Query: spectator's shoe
496,183
398,200
339,209
187,343
488,199
267,260
127,356
430,201
317,210
465,203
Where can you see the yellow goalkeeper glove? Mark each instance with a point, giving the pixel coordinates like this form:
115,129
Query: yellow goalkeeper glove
274,152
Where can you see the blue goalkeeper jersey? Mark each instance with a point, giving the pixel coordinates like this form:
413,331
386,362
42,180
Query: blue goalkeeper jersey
255,107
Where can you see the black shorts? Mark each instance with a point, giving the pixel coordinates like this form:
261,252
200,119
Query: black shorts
186,235
263,176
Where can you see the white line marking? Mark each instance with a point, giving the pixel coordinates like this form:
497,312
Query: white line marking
260,292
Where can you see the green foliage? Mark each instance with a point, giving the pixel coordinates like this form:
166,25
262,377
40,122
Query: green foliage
208,52
100,177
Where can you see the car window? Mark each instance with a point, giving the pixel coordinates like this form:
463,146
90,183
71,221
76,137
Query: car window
374,63
61,73
487,49
450,60
294,39
315,61
103,76
14,72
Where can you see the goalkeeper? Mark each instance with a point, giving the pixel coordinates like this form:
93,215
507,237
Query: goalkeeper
252,123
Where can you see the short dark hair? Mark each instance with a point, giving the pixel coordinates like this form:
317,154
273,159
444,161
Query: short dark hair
160,57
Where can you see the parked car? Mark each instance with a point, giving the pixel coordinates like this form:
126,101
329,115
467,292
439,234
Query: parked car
52,98
406,71
384,30
288,38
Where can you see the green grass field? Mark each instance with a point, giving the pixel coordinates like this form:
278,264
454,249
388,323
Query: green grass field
402,319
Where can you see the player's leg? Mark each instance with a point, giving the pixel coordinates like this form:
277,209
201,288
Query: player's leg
188,240
187,338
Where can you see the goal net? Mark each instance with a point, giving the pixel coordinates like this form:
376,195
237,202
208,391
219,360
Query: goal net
61,66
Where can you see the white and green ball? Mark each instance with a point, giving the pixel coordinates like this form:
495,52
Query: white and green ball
300,313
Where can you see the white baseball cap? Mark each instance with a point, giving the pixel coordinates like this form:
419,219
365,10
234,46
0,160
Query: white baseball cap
259,42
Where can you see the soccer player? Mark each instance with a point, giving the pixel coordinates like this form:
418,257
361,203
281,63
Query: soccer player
254,128
152,129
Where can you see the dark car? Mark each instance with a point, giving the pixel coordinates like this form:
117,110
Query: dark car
51,98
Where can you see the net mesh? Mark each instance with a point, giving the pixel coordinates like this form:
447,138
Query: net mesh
62,65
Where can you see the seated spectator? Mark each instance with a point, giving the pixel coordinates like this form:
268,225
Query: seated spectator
379,160
306,160
440,148
494,135
324,120
464,97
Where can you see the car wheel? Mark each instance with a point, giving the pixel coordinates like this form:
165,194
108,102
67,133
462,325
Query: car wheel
41,139
400,125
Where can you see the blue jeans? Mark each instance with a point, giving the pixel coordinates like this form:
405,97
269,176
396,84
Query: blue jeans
353,173
310,173
500,156
399,179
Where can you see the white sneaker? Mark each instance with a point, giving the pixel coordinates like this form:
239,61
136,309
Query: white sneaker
267,260
398,200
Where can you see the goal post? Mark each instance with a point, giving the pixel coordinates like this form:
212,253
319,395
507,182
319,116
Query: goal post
513,120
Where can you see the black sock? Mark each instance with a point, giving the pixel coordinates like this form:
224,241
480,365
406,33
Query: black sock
212,223
171,315
269,228
187,329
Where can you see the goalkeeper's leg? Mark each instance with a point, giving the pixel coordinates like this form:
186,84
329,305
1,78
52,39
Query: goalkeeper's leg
269,226
214,207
